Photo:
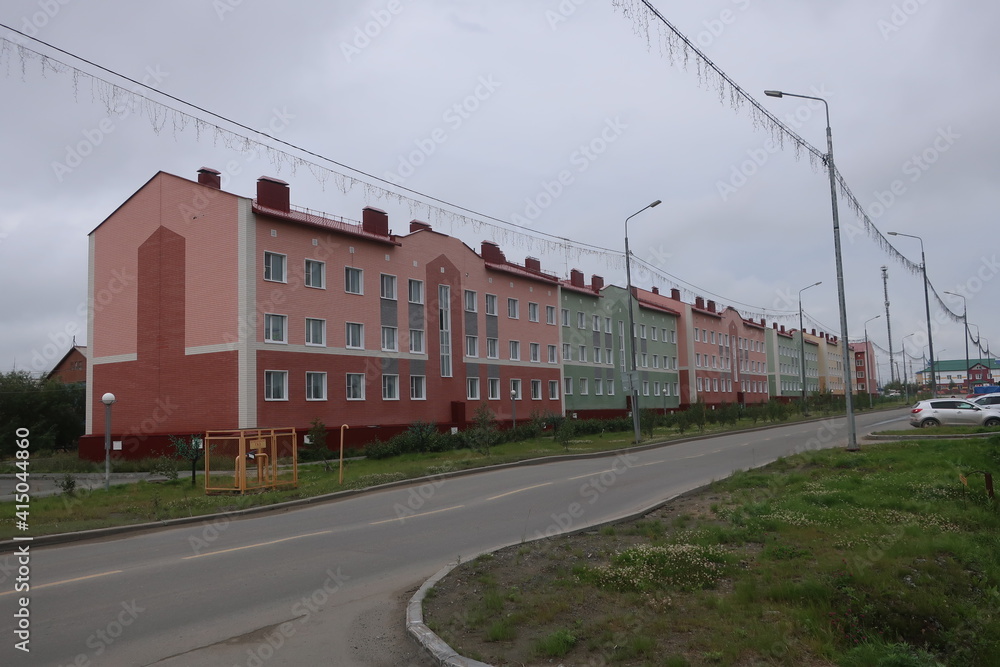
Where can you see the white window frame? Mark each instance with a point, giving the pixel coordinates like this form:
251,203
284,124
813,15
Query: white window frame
514,347
491,304
568,386
470,297
322,342
417,336
418,387
269,318
361,386
532,311
472,346
387,286
493,389
534,353
269,269
307,274
390,343
553,354
472,388
536,390
415,286
309,387
492,348
550,315
390,381
348,272
268,385
553,390
513,308
347,335
515,386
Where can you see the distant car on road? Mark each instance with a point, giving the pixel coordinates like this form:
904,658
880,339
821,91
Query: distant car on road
952,412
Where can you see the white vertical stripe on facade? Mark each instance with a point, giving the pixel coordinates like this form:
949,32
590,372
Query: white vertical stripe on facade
247,325
91,243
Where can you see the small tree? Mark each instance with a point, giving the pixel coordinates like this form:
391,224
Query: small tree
317,442
483,434
565,432
190,449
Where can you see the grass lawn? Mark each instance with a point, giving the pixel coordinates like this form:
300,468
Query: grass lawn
881,557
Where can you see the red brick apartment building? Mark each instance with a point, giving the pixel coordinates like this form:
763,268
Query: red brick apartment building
217,311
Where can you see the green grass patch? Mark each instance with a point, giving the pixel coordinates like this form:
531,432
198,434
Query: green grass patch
881,557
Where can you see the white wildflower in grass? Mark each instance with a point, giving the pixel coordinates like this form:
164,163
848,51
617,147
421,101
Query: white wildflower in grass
681,566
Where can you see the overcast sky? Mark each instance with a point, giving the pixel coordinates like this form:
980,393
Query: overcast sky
561,116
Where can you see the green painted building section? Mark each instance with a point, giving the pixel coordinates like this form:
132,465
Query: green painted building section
594,354
784,369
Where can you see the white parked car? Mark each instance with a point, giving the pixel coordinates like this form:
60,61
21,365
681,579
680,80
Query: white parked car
988,401
952,412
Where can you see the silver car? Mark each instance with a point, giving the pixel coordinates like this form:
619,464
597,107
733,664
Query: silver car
988,401
952,412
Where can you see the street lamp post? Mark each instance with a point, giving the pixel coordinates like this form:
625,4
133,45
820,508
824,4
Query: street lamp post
927,308
631,325
108,399
868,369
802,346
906,387
965,325
852,439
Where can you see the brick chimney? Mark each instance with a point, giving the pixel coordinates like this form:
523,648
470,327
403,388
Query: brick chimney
782,327
210,177
699,303
533,264
417,225
273,193
711,305
675,294
596,283
813,332
576,278
656,290
375,221
492,253
762,322
774,325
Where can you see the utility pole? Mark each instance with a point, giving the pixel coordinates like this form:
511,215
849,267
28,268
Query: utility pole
888,326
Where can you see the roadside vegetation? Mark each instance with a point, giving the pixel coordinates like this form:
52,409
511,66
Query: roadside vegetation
884,557
422,450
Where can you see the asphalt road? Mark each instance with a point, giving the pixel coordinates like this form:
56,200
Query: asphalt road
327,584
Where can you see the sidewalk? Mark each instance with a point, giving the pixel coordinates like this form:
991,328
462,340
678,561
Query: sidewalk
47,483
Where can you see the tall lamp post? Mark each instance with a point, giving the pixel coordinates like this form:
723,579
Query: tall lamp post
852,439
927,308
802,346
108,399
868,368
906,386
965,325
634,376
513,408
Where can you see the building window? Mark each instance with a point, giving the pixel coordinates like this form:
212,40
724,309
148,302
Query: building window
550,314
472,346
418,388
275,329
656,389
315,274
583,386
355,386
472,389
275,385
536,390
532,312
652,332
515,388
444,322
534,352
387,286
608,359
315,386
596,325
598,387
274,267
645,360
552,355
583,353
607,325
567,352
417,341
699,384
353,280
492,348
569,386
512,309
315,332
491,304
470,301
493,389
581,320
656,360
565,317
611,387
390,387
515,350
416,291
355,333
597,355
389,339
